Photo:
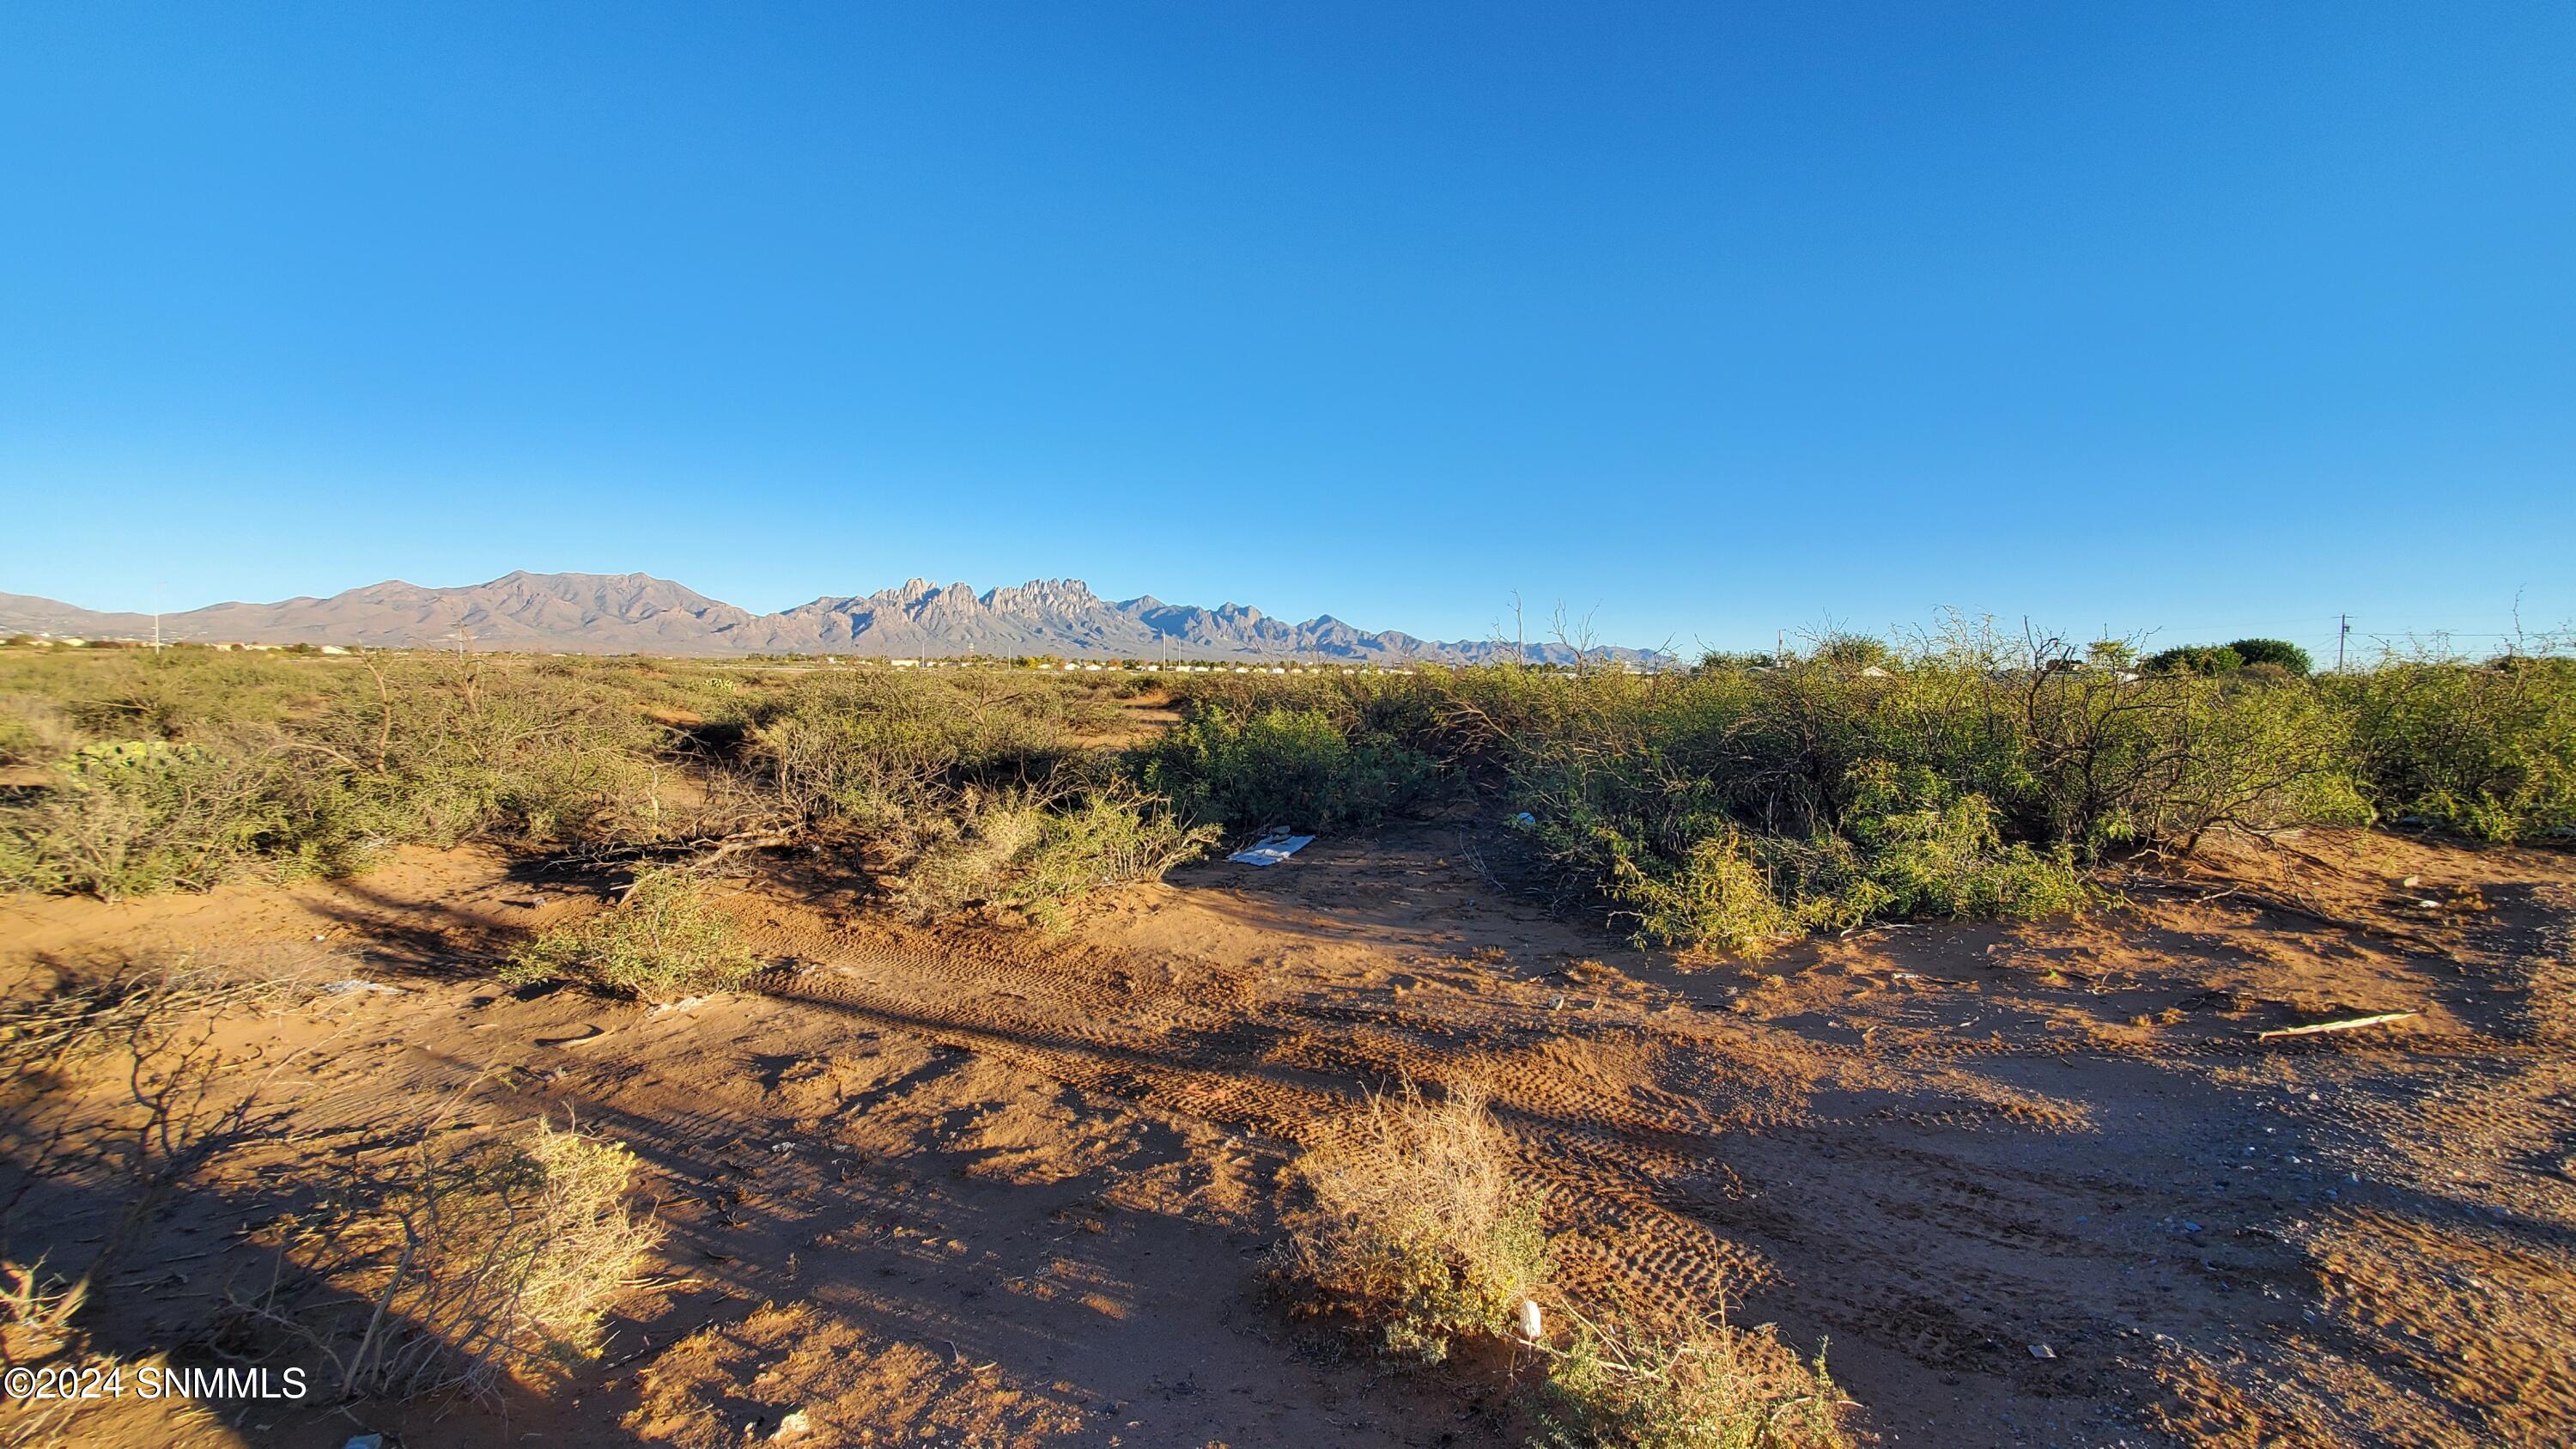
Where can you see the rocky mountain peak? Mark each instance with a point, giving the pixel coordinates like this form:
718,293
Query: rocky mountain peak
639,613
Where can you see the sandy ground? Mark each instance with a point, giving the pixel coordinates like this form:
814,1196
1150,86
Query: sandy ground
2034,1184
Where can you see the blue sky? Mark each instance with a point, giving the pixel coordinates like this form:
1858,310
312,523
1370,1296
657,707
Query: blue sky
1708,320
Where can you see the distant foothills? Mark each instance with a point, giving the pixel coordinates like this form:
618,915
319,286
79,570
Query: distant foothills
640,614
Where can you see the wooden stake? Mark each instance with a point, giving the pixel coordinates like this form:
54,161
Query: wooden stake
2347,1024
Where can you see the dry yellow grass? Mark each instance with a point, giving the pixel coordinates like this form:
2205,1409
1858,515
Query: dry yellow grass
1418,1227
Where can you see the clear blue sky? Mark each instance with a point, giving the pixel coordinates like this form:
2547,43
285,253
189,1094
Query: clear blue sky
1716,318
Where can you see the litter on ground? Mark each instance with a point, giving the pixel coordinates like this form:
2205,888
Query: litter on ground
1272,849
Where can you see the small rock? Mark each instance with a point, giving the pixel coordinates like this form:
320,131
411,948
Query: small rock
794,1426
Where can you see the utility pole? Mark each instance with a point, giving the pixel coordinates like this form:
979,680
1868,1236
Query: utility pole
1779,645
2343,627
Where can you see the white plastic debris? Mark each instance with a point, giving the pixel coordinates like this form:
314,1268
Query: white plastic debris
343,988
794,1426
1533,1327
2041,1350
1272,849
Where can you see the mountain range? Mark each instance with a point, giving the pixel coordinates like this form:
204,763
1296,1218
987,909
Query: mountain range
641,614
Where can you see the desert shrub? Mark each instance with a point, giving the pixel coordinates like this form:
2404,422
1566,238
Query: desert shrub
547,751
1963,773
665,940
1848,651
1417,1228
34,730
1927,848
2278,653
1108,837
1907,843
184,768
1025,850
460,1267
2488,750
1972,776
1361,705
882,751
1283,767
1719,893
1704,1386
1418,1232
139,816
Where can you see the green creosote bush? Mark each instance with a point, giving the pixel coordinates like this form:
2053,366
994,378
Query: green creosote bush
2488,750
1020,850
1720,893
1927,848
892,752
1908,845
1291,768
138,816
666,939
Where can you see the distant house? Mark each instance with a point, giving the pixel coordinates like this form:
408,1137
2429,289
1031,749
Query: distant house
904,663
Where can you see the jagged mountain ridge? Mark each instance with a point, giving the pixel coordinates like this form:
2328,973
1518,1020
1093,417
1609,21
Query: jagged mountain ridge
638,613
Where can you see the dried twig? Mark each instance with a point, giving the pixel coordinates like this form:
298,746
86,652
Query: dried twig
2346,1024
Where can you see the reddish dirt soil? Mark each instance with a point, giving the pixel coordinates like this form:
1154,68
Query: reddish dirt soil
2035,1184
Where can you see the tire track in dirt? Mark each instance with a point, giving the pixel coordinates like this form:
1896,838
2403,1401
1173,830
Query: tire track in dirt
1613,1149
